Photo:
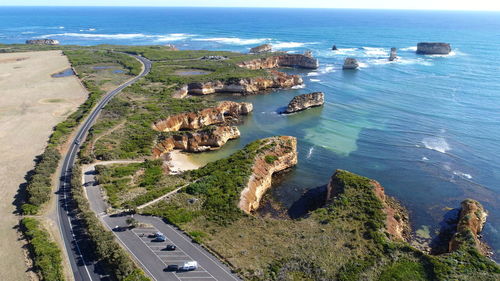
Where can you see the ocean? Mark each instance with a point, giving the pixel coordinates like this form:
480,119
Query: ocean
426,127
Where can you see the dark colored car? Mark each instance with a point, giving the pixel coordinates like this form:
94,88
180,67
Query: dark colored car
172,267
160,238
170,247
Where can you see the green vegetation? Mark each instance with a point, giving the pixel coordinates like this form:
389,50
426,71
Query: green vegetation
45,252
107,249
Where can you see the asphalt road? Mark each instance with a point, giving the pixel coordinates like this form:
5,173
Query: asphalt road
152,255
76,243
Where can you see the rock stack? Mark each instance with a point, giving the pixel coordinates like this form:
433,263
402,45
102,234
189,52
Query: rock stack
266,48
334,48
305,101
394,54
427,48
350,63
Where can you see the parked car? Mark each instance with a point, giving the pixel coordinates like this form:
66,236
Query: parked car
170,247
172,267
160,238
189,266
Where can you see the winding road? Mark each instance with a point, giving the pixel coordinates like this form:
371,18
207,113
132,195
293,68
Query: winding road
72,231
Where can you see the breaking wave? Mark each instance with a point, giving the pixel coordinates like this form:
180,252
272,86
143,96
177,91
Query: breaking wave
436,143
122,36
234,41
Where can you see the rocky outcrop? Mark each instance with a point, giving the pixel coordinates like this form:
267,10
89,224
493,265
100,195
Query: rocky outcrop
427,48
206,117
394,54
42,42
305,101
204,140
334,48
350,63
180,93
279,153
266,48
276,79
470,224
397,219
284,60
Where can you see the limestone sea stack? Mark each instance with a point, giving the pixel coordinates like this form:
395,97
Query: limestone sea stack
350,63
42,42
305,101
427,48
470,224
266,48
276,154
394,54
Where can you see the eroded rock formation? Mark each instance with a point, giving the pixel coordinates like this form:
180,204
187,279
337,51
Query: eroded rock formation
394,54
305,101
281,154
206,117
350,63
276,79
427,48
397,220
284,60
266,48
42,42
204,140
470,224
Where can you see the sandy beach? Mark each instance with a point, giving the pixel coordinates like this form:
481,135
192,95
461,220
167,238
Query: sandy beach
179,162
31,104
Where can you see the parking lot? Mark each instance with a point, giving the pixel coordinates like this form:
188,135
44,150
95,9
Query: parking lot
177,257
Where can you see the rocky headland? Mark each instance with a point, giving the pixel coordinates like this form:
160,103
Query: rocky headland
42,42
305,101
199,141
209,116
278,154
275,80
305,60
427,48
470,224
265,48
350,63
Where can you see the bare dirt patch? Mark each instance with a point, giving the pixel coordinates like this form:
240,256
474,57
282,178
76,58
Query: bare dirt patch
25,126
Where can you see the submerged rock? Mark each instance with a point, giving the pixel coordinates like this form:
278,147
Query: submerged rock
276,154
42,42
470,224
305,60
266,48
394,54
427,48
350,63
305,101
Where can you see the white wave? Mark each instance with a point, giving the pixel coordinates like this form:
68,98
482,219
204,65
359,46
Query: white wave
370,51
412,48
234,41
309,154
436,143
27,32
362,64
315,80
302,86
425,159
288,45
88,29
462,175
173,37
122,36
314,73
60,27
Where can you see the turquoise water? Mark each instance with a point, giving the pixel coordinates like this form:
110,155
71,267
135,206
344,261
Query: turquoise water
426,127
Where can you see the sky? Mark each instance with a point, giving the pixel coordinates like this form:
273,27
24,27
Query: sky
488,5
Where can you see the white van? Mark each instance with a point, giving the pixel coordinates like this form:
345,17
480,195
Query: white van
189,265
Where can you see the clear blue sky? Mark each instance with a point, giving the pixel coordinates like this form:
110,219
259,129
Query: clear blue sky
364,4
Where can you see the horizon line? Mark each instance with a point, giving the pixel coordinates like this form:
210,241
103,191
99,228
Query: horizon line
245,7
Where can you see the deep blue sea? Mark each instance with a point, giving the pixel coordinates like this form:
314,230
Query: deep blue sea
426,127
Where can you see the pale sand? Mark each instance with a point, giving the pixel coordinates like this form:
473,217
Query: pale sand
179,162
31,103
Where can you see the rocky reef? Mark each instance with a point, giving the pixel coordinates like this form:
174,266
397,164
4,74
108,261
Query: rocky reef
426,48
209,116
266,48
397,219
199,141
470,224
305,101
350,63
277,154
42,42
275,80
284,60
394,54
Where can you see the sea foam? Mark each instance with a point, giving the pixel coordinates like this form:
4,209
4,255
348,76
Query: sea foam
234,41
436,143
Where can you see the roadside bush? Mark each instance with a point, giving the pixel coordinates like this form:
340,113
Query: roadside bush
46,254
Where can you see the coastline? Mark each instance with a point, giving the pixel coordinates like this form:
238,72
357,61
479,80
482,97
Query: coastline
179,162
